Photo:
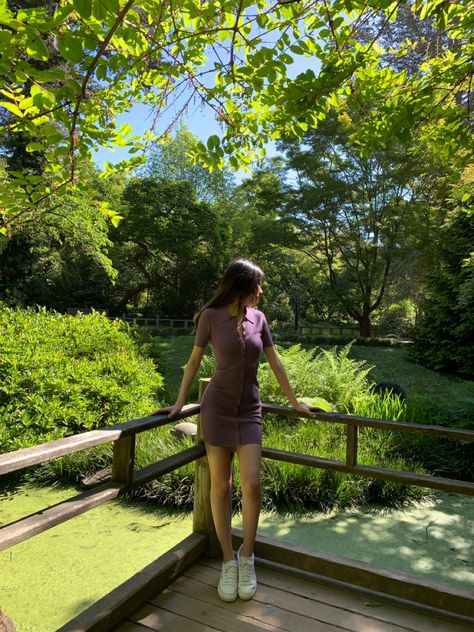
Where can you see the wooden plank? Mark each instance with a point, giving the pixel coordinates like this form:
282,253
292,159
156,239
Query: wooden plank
123,459
118,604
156,420
169,464
352,433
154,618
405,478
318,590
40,521
128,626
19,459
438,595
434,431
220,617
293,612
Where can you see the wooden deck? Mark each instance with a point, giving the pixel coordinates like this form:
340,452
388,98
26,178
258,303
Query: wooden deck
285,600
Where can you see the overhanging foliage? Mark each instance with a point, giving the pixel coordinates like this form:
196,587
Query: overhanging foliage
234,56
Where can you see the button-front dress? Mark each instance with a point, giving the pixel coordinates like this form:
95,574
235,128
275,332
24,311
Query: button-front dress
231,410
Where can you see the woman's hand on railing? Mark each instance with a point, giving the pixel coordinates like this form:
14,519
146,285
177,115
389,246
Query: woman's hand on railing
302,408
170,411
174,410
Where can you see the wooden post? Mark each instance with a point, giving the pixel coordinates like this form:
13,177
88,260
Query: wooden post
124,459
202,515
351,445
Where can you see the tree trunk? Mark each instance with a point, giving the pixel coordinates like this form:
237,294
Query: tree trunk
364,323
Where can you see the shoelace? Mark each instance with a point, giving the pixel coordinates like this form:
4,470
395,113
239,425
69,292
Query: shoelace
246,570
229,574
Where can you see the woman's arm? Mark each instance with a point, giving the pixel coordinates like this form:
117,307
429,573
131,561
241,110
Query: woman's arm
279,370
190,370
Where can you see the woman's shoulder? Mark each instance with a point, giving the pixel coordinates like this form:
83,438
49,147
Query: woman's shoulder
210,312
257,314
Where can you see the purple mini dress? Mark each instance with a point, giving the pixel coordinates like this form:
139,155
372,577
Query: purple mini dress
231,410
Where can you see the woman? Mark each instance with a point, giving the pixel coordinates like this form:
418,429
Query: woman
231,411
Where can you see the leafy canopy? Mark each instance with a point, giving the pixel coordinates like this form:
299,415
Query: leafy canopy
233,56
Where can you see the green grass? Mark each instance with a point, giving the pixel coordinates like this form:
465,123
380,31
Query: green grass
445,399
171,355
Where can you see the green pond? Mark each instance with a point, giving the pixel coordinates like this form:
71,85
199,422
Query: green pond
50,578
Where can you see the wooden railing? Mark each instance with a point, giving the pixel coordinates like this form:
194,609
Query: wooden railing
124,478
323,329
172,323
351,465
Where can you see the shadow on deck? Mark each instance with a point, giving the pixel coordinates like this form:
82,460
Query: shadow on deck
177,593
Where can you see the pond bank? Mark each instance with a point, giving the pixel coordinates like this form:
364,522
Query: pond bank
47,580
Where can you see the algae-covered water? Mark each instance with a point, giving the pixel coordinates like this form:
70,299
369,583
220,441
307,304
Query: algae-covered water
47,580
50,578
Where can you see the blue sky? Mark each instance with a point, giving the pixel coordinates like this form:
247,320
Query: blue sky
200,120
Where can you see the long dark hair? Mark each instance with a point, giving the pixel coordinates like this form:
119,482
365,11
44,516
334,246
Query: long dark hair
239,280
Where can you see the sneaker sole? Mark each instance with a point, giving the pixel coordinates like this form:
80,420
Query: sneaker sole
226,598
247,597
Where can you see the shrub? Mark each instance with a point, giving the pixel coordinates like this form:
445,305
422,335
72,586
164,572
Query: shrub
398,319
61,375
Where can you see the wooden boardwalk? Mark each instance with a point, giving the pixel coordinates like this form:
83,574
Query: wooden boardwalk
284,601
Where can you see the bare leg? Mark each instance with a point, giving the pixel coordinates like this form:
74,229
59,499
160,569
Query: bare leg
221,486
249,464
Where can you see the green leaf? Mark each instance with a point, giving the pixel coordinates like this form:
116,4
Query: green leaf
116,219
36,47
101,72
102,8
213,142
70,48
11,107
34,147
125,129
5,14
112,6
84,8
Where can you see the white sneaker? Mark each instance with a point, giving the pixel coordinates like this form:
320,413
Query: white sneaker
227,587
247,579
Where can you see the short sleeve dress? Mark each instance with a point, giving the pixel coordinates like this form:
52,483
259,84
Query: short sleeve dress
231,410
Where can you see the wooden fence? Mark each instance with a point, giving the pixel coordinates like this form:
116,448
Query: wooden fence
124,477
171,323
321,329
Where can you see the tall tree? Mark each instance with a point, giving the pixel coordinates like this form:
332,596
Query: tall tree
362,219
444,337
264,233
65,259
170,161
170,248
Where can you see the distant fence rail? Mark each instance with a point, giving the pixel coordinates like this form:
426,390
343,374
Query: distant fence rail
320,329
156,321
